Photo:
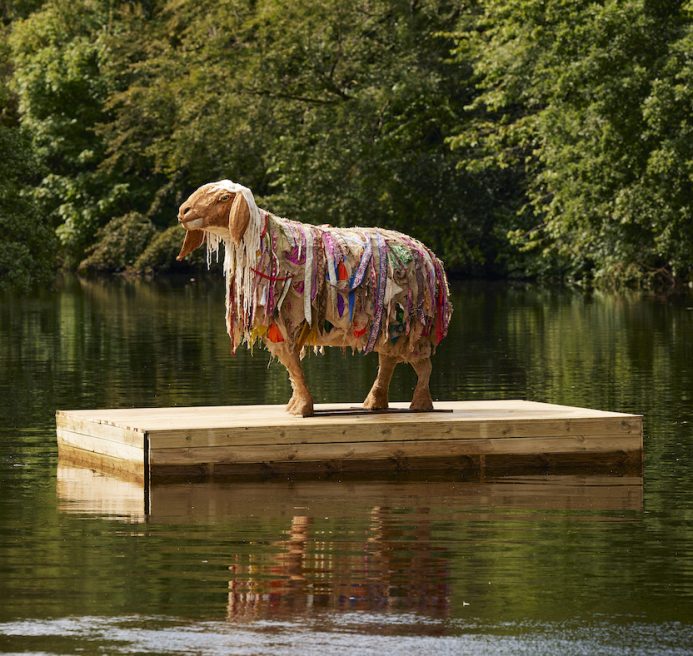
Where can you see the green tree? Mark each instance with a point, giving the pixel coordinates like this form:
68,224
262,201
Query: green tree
332,112
11,10
520,137
27,251
588,104
56,56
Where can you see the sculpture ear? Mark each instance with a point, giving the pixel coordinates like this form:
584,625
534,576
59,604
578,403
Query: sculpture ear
239,217
193,239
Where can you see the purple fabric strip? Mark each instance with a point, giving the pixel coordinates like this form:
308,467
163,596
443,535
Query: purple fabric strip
330,251
357,277
420,291
273,273
442,303
297,254
380,294
317,264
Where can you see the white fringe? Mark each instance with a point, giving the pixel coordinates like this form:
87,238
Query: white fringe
213,241
239,258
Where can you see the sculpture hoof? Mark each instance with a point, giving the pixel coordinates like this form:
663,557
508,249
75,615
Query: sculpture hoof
302,408
422,404
373,402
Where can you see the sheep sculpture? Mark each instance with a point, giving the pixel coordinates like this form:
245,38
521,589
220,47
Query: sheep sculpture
293,285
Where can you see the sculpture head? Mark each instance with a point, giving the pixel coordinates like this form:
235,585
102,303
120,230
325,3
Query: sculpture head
217,207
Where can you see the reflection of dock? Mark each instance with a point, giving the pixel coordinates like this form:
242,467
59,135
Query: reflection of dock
82,490
488,436
354,545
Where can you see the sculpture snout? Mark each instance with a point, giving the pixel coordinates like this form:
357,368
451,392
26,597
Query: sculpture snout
182,212
189,219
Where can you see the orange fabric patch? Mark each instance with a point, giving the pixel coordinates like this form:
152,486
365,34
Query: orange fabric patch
342,272
359,332
274,334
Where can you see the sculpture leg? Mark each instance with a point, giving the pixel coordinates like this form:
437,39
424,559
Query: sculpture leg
301,402
422,395
292,401
377,397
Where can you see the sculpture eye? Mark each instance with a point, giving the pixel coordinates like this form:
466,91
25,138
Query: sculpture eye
225,197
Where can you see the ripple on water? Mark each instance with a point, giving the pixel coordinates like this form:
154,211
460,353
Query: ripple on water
347,633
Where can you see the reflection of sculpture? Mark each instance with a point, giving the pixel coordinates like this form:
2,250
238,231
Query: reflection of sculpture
293,285
394,565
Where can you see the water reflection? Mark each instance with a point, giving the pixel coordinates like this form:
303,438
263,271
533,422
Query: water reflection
87,491
366,545
389,565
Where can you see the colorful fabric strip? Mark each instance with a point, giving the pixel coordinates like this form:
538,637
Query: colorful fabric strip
330,254
358,275
308,278
270,277
380,294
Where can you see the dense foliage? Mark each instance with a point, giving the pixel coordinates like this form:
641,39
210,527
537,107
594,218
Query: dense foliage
118,244
589,105
28,248
516,137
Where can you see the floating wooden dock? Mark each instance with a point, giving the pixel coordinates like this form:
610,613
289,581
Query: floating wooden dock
150,444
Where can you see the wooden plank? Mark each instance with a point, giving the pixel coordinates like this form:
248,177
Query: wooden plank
341,432
611,463
121,434
148,419
125,452
393,449
124,469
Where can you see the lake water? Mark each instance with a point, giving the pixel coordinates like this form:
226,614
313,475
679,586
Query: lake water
524,564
